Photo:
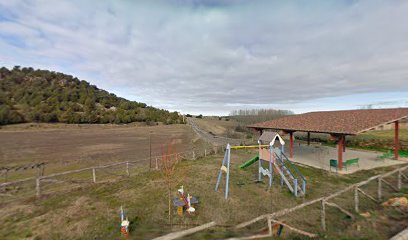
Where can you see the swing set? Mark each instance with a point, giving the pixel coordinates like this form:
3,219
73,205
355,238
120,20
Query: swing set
277,162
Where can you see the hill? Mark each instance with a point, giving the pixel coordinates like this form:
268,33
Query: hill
28,95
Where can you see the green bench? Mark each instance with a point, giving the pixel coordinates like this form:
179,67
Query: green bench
349,162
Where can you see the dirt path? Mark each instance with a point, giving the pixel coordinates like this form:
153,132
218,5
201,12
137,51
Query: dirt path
211,138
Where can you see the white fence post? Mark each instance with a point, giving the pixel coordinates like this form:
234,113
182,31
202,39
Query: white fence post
127,168
356,199
399,180
323,215
93,175
37,187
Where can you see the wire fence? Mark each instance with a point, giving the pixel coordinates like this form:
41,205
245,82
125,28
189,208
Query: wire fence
40,184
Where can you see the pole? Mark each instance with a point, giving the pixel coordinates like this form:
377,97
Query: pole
399,180
340,151
157,164
344,143
291,144
270,165
308,138
379,193
37,187
150,149
396,142
127,168
323,215
228,170
356,199
259,162
93,175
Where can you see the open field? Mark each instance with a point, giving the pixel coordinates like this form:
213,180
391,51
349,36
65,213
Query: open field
65,147
91,210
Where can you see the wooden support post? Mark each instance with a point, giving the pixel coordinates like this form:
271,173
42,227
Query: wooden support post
390,185
291,144
308,138
399,180
341,209
310,235
194,157
323,215
396,141
379,191
93,175
344,143
176,235
205,152
269,225
37,187
127,168
367,195
340,152
157,163
356,200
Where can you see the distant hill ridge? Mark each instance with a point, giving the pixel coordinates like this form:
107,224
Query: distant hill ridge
29,95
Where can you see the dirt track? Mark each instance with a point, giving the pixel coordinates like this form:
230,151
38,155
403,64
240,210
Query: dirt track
211,138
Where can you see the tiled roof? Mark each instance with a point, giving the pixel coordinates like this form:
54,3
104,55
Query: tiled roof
350,122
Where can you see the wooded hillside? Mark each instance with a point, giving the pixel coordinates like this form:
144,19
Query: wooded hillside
28,95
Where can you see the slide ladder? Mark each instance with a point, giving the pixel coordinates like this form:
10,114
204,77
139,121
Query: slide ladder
289,174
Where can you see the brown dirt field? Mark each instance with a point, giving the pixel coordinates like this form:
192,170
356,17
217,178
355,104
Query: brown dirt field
87,144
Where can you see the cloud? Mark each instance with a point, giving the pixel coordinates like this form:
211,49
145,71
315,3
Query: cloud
213,56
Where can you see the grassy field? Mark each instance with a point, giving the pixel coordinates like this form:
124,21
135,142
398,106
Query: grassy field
91,211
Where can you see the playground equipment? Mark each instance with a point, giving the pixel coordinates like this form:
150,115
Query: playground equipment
277,161
124,223
184,202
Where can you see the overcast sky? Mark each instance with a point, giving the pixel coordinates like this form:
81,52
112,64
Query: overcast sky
214,56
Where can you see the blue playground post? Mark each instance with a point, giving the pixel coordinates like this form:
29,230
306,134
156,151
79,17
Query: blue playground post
270,164
295,187
259,162
228,169
225,165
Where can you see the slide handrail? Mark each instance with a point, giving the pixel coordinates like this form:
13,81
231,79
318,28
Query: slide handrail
291,165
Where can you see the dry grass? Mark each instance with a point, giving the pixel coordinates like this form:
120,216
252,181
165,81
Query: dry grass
91,211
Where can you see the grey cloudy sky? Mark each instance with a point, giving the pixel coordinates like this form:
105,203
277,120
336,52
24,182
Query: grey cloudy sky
214,56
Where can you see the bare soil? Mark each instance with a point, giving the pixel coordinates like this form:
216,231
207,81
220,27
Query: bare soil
87,144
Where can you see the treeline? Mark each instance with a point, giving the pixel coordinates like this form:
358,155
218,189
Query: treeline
250,116
28,95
